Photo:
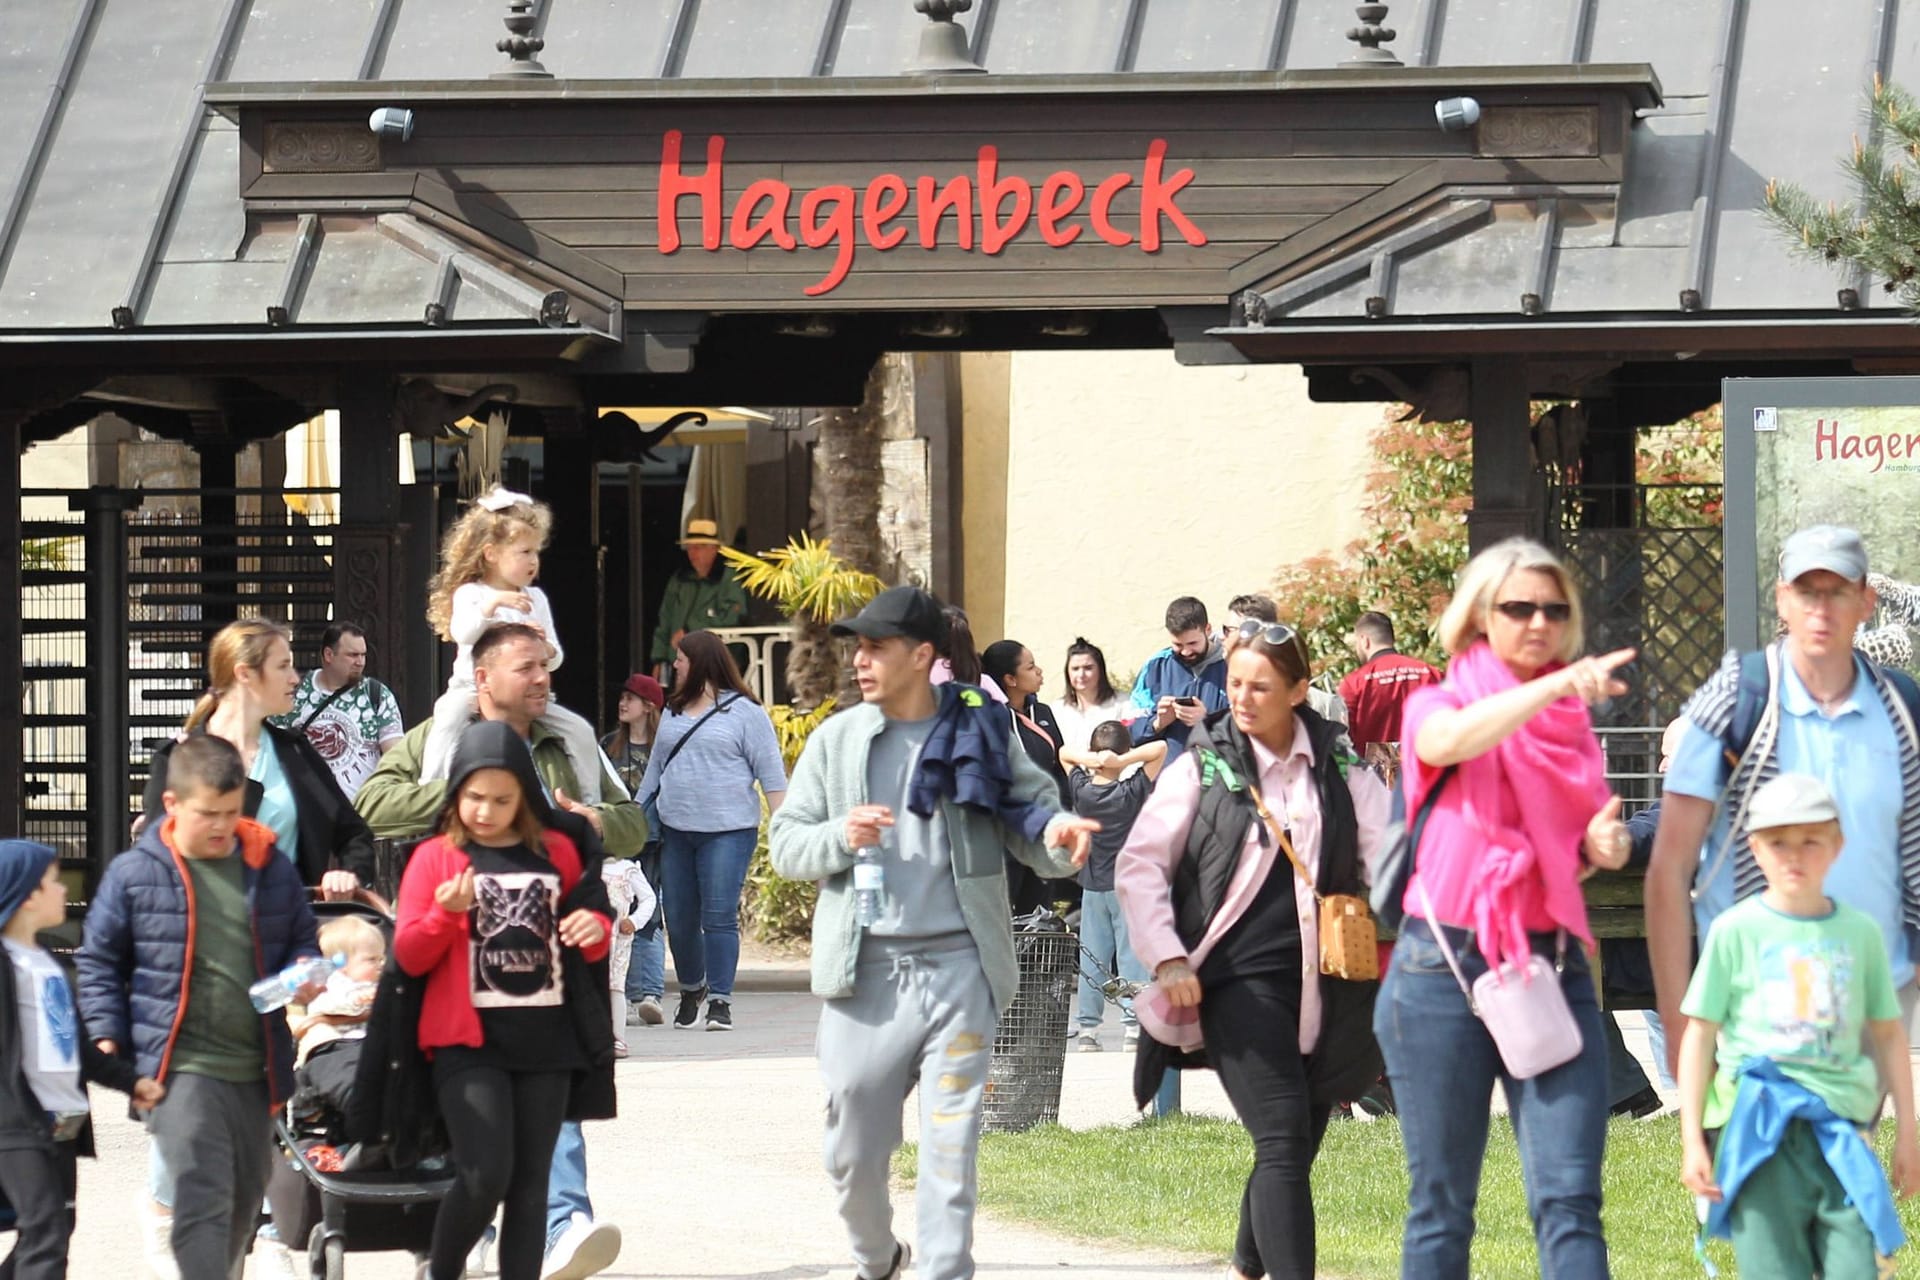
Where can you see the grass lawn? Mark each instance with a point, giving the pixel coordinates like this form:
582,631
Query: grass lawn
1177,1182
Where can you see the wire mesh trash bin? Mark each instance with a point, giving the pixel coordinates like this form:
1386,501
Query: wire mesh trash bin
1030,1047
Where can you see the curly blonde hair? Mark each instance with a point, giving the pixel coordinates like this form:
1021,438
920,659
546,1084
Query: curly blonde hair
463,557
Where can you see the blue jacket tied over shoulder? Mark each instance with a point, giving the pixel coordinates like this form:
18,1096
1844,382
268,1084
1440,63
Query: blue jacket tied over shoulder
965,758
139,947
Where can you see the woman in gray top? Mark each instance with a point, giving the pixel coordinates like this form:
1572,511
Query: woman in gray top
715,742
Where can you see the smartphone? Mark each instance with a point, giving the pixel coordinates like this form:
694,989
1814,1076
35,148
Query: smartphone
1187,702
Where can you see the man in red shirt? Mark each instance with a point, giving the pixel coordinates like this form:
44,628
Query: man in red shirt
1377,690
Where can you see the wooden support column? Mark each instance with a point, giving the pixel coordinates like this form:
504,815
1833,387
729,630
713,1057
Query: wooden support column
571,565
1505,504
371,587
936,416
12,707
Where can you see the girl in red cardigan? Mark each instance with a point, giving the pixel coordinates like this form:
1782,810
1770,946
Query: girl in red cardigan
487,908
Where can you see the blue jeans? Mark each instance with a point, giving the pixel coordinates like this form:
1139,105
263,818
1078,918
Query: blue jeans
702,874
1103,931
647,973
1442,1065
567,1182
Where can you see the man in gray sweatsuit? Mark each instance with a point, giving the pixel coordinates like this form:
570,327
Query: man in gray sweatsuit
915,996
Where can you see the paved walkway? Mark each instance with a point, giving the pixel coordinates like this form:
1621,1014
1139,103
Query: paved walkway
713,1169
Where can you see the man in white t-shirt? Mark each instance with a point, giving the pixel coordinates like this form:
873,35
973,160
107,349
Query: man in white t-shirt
351,718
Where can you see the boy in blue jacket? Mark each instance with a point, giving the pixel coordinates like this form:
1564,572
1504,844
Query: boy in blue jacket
1788,986
199,909
45,1067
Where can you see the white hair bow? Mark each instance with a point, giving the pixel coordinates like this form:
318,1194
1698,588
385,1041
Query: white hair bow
499,499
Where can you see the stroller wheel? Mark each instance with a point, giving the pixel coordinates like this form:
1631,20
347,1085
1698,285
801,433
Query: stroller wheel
326,1257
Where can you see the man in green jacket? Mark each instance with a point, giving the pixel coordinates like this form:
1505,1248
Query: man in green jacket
511,684
915,992
700,597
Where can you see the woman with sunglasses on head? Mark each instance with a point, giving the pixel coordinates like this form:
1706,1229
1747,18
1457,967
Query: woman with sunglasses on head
1211,884
1497,874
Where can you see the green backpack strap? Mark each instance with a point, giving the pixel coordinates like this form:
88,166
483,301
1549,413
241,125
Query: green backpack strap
1213,766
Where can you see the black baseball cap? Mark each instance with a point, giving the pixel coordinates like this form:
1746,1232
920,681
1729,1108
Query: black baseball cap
898,611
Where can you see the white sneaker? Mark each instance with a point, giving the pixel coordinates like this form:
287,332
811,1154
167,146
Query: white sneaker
477,1256
272,1260
156,1229
585,1248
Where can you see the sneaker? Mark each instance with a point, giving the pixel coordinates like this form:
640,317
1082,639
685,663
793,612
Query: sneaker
719,1015
477,1256
1639,1105
902,1256
274,1261
1089,1041
157,1230
689,1012
1132,1038
585,1248
648,1012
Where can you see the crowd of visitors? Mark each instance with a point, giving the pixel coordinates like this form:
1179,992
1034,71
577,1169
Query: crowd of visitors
1210,833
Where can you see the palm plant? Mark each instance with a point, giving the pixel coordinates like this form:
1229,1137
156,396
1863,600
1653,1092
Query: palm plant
812,586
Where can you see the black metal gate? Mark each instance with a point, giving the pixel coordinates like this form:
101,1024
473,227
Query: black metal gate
119,599
1650,576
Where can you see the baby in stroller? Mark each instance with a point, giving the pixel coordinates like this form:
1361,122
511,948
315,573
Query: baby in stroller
329,1034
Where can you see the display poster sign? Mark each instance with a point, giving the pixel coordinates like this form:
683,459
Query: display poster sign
1806,451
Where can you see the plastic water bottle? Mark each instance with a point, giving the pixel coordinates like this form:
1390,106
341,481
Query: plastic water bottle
869,886
275,991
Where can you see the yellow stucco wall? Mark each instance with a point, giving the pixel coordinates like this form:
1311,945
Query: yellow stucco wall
983,489
1131,479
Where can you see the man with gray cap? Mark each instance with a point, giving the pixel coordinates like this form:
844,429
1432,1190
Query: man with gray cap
1805,704
924,791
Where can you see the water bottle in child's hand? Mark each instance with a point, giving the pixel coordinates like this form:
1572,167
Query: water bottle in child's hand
276,990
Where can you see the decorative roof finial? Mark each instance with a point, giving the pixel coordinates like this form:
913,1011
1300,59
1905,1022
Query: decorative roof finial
943,43
520,44
1370,35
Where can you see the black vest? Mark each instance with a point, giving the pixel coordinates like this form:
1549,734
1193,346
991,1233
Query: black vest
1346,1061
1225,761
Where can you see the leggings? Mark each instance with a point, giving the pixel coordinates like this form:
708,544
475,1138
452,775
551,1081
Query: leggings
1252,1028
502,1125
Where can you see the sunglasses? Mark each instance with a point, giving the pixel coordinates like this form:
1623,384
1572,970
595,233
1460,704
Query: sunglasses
1523,610
1274,633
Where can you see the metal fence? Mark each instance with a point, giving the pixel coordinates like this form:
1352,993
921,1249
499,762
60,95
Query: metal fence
1648,562
120,596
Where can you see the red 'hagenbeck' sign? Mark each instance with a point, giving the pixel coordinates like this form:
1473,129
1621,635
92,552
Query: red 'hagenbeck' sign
831,215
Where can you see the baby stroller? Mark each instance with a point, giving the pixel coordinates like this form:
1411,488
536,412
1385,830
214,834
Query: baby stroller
338,1209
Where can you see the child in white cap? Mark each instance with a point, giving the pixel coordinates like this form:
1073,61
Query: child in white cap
1795,988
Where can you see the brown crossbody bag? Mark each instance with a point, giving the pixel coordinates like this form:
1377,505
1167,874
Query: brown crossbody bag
1348,940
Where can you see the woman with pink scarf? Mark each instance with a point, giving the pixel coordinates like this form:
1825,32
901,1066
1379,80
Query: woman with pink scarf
1523,815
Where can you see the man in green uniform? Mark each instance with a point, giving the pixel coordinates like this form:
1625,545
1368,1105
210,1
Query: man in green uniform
700,597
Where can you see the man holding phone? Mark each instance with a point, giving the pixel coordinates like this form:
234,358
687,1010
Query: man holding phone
1179,686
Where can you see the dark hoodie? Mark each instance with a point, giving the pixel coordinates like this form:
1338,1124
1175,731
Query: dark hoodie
422,995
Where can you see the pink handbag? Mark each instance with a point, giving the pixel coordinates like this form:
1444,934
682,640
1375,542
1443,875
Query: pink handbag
1523,1007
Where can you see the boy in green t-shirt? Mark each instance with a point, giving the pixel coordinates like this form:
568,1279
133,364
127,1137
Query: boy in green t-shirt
1799,980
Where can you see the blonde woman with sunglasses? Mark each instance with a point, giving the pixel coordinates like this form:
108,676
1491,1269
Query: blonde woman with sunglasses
1521,815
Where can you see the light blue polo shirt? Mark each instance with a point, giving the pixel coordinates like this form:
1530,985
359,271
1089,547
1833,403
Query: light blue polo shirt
1856,752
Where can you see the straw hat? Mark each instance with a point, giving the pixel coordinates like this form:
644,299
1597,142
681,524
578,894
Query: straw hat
701,533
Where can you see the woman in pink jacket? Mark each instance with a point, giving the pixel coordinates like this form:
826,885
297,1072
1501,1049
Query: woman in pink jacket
1521,818
1218,914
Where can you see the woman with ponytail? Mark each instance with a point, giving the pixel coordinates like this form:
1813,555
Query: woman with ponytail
290,789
